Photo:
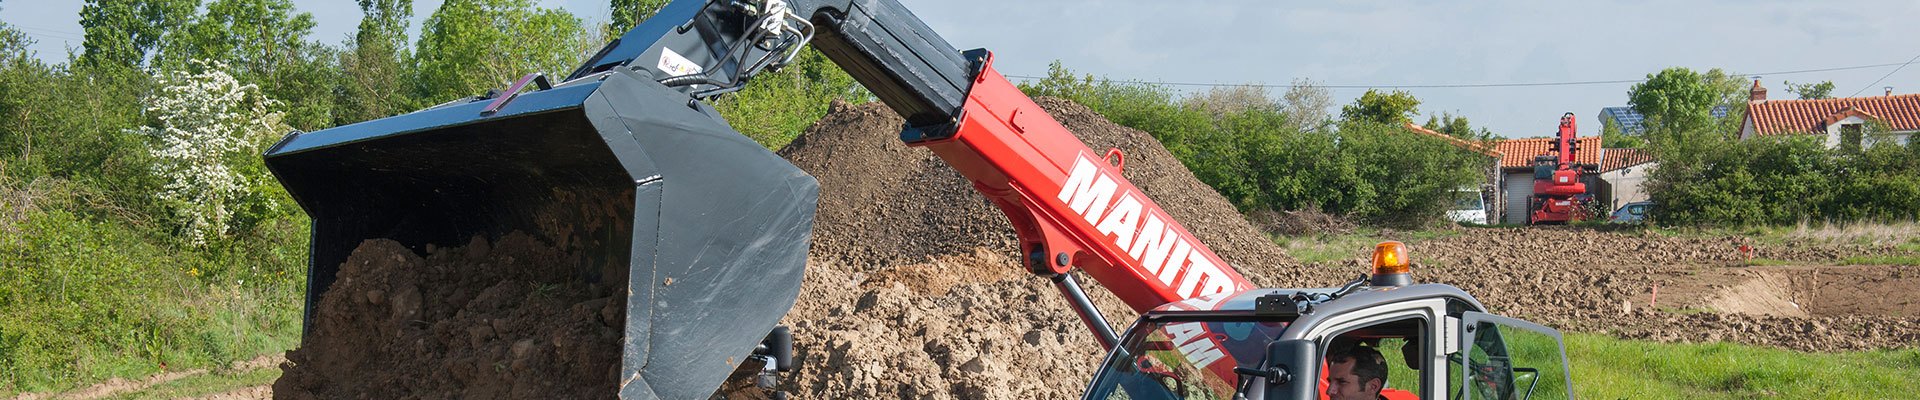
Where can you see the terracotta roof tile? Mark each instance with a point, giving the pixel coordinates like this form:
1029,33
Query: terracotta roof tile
1621,158
1773,117
1519,152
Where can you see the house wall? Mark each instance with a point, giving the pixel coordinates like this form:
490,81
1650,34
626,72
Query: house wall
1833,134
1496,199
1629,184
1518,191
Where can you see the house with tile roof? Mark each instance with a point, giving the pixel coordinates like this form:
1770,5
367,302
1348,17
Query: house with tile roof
1844,121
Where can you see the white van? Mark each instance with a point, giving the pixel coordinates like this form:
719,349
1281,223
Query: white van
1468,206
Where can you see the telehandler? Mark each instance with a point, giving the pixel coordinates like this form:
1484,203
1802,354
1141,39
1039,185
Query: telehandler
621,162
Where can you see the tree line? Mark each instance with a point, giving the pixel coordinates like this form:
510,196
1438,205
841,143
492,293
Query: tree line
1288,153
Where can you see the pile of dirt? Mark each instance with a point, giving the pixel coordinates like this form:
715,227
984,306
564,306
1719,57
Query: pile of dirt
912,291
883,203
498,319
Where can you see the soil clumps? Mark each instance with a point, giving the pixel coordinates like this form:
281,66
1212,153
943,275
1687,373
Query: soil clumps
498,319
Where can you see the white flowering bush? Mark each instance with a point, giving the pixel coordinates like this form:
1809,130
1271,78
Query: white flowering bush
206,126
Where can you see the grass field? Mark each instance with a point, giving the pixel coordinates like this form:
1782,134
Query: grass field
1609,368
1357,244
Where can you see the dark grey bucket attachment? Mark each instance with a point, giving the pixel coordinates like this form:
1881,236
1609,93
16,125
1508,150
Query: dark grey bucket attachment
711,229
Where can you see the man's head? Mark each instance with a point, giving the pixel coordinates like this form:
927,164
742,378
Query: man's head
1356,374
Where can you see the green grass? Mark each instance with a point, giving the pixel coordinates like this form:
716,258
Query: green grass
1609,368
204,384
1902,235
86,299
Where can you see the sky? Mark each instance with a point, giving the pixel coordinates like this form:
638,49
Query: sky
1352,46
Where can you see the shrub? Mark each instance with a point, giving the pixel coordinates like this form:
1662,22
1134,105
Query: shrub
1782,180
208,130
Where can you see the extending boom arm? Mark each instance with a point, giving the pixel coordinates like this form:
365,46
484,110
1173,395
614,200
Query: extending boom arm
1070,205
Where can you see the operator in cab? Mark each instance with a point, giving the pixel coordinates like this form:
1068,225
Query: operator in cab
1357,373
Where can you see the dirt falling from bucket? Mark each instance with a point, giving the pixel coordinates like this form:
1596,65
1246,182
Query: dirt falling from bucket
504,319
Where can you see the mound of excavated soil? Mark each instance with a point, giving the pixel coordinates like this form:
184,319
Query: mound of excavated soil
481,321
882,202
912,291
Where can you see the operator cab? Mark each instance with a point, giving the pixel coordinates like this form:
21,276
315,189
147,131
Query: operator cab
1429,340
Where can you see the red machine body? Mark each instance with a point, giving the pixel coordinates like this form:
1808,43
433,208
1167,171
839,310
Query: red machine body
1072,208
1558,195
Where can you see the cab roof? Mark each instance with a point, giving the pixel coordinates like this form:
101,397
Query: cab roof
1242,303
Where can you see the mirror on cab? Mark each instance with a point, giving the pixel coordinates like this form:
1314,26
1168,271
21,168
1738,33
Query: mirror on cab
1289,371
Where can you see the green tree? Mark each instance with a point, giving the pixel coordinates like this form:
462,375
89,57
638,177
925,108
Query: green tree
266,43
1395,108
1678,104
778,105
1676,99
1305,103
125,33
628,13
469,46
1221,101
1613,138
1457,126
373,67
1810,91
258,35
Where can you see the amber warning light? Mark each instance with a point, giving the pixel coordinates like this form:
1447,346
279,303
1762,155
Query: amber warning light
1391,265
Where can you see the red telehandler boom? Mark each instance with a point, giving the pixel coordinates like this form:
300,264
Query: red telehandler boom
621,161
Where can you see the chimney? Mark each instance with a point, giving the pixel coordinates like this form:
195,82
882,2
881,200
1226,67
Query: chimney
1758,93
1889,91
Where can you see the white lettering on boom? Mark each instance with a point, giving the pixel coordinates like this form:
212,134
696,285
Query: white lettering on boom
1143,233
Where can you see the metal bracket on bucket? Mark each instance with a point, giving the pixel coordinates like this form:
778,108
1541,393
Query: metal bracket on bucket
501,100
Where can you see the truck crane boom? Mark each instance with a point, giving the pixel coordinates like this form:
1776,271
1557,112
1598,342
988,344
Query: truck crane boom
1069,205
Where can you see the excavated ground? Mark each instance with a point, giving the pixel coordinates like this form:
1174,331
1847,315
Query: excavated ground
1583,280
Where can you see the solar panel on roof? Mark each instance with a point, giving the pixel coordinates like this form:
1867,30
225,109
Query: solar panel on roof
1630,121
